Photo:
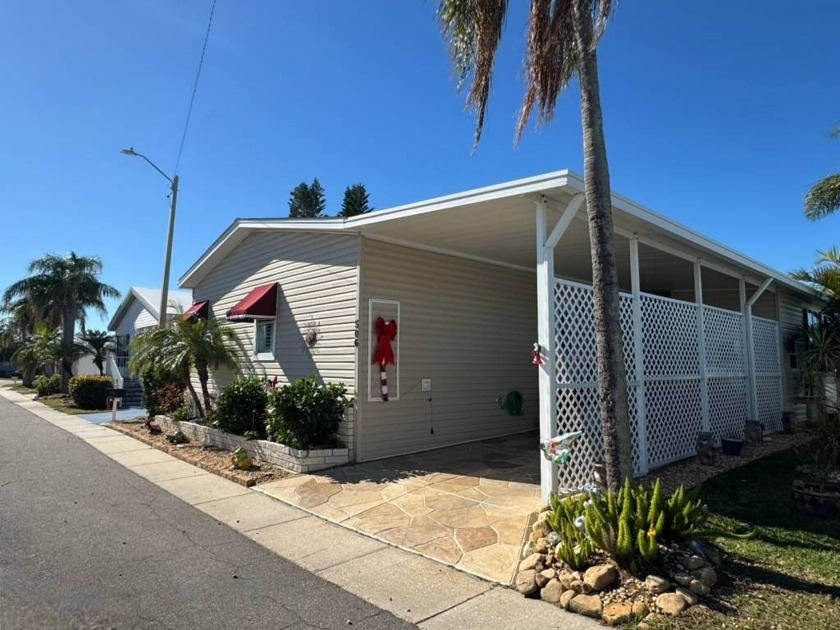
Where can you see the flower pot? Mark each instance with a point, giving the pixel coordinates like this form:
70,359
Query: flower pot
753,433
816,498
731,446
705,448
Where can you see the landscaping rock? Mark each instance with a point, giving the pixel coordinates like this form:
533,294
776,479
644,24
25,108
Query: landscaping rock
671,603
640,609
526,582
587,605
698,588
617,614
566,597
566,578
656,584
707,576
535,536
600,577
694,562
552,591
541,546
683,579
652,618
531,562
577,586
540,579
549,574
689,597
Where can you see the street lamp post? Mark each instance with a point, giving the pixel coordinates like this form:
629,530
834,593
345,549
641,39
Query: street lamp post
173,181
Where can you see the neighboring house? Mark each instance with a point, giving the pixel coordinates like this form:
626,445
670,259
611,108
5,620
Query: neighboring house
137,313
472,281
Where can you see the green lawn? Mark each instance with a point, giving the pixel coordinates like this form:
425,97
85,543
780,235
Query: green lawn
788,574
66,406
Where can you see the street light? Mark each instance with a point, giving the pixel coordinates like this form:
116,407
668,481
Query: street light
164,290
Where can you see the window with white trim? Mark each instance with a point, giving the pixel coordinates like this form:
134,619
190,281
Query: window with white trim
264,339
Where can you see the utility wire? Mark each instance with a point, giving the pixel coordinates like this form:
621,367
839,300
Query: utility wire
195,88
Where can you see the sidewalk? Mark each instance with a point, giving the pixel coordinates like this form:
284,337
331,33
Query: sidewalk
434,596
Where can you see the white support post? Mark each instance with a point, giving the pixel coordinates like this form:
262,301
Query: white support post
746,309
701,346
545,338
639,358
750,348
782,354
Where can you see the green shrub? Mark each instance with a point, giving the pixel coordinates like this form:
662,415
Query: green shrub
184,413
46,385
241,407
567,521
153,380
90,392
306,414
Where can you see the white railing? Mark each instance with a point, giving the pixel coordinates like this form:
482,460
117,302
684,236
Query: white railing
113,370
676,394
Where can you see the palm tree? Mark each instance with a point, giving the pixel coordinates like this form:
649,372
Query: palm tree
97,342
187,345
60,288
824,276
824,197
562,41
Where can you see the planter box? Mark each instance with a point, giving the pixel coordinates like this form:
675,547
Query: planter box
297,460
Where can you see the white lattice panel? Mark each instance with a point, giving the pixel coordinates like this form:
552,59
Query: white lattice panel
769,397
724,332
765,346
625,303
577,410
728,405
669,333
673,420
575,357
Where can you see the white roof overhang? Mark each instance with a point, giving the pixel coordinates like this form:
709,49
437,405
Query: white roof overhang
497,225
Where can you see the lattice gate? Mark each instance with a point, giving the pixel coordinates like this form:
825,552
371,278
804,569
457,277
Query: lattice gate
672,377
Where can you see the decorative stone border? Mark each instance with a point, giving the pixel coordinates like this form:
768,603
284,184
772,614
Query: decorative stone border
296,460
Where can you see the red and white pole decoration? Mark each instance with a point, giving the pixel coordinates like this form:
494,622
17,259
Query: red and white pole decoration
386,332
537,357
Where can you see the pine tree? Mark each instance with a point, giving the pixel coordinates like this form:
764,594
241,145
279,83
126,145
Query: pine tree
307,201
356,201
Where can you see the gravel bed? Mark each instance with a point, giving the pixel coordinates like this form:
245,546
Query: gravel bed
210,458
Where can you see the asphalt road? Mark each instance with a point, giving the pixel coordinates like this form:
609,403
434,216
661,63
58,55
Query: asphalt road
85,543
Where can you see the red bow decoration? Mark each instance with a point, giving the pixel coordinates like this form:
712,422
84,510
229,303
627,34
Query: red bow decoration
386,332
537,357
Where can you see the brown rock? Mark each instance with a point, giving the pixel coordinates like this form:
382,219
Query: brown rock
535,536
577,586
552,591
526,582
640,609
707,576
540,580
698,588
694,562
656,584
600,577
588,605
530,562
566,597
617,614
689,597
683,579
566,578
541,546
671,603
549,574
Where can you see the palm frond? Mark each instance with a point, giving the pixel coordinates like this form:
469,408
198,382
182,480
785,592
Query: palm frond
824,198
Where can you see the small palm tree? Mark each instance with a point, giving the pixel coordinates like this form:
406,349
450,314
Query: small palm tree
97,342
562,39
824,276
185,346
40,351
59,289
824,197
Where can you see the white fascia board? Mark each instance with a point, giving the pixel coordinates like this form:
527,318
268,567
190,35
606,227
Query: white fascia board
575,183
121,309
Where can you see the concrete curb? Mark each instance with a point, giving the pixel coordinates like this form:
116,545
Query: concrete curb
421,591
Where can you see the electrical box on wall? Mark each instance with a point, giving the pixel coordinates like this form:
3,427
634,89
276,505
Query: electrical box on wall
426,384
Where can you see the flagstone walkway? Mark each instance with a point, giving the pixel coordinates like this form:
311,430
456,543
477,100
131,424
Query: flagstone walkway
468,506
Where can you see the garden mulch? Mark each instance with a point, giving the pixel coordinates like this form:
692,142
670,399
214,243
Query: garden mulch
210,458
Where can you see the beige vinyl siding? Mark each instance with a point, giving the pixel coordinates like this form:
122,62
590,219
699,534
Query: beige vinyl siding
144,320
318,287
466,325
135,318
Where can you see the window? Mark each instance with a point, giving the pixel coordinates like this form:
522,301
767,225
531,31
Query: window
264,339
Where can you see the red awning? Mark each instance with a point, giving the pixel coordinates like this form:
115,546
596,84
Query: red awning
260,303
199,310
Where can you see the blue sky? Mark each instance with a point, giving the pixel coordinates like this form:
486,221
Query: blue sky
717,114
